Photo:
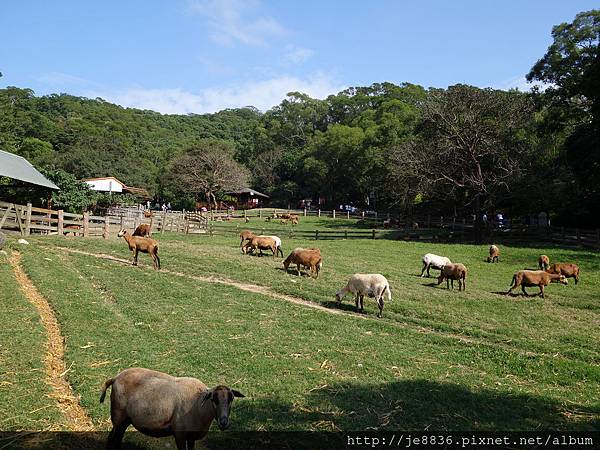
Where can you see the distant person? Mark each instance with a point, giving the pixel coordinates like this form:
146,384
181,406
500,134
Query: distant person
164,207
148,204
169,206
484,219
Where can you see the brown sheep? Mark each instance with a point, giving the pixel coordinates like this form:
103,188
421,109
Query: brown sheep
143,230
261,243
246,235
494,254
310,258
543,262
540,278
161,405
451,272
141,244
567,269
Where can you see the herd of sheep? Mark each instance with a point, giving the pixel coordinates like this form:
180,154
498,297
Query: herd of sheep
159,404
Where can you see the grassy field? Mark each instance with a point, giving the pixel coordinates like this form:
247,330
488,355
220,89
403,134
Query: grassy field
438,360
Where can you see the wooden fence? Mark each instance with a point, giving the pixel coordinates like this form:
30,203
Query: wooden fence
27,220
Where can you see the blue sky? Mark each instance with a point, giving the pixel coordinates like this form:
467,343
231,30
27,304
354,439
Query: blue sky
196,56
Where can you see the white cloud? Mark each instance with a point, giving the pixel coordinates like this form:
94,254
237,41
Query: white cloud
519,83
229,22
61,80
260,94
296,55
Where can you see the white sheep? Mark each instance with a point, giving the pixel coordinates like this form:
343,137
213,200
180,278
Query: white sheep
435,261
371,284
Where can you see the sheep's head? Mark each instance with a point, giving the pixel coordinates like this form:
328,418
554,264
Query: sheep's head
563,280
122,233
338,296
221,398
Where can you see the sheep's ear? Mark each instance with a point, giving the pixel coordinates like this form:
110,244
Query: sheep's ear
237,393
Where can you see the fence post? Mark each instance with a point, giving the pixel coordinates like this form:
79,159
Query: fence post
260,213
348,214
122,222
28,220
363,214
345,234
304,212
333,214
105,231
61,219
86,224
316,235
164,222
245,214
373,235
318,212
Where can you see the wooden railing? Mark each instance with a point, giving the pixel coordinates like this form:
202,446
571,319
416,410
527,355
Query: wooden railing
27,219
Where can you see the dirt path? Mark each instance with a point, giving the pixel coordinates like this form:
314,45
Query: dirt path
76,419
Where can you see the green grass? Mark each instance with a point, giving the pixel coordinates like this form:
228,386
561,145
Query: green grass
24,401
438,359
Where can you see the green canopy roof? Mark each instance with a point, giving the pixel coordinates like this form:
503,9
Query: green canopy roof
18,168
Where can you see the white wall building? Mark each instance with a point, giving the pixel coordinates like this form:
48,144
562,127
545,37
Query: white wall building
105,184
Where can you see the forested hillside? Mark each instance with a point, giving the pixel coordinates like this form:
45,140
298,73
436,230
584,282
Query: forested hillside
389,147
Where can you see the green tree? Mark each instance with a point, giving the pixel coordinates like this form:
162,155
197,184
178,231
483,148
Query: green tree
74,196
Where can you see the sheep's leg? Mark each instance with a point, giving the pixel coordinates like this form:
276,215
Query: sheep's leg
180,441
423,270
115,437
380,302
356,301
524,291
428,266
298,268
135,257
362,303
542,290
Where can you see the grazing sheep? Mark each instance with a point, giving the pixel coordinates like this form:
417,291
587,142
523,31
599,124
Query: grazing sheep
246,235
159,405
143,230
543,262
540,278
435,261
567,269
371,284
494,254
451,272
310,258
261,243
141,244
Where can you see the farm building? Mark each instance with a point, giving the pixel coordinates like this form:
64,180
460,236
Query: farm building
247,198
111,184
18,168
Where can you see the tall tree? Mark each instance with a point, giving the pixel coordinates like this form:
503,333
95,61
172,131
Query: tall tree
469,144
209,168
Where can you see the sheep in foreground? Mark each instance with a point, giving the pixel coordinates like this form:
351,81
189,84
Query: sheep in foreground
310,258
261,243
540,278
435,261
141,244
567,269
246,235
543,262
159,405
371,284
451,272
494,254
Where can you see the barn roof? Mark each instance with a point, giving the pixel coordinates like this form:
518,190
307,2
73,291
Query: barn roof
18,168
247,191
